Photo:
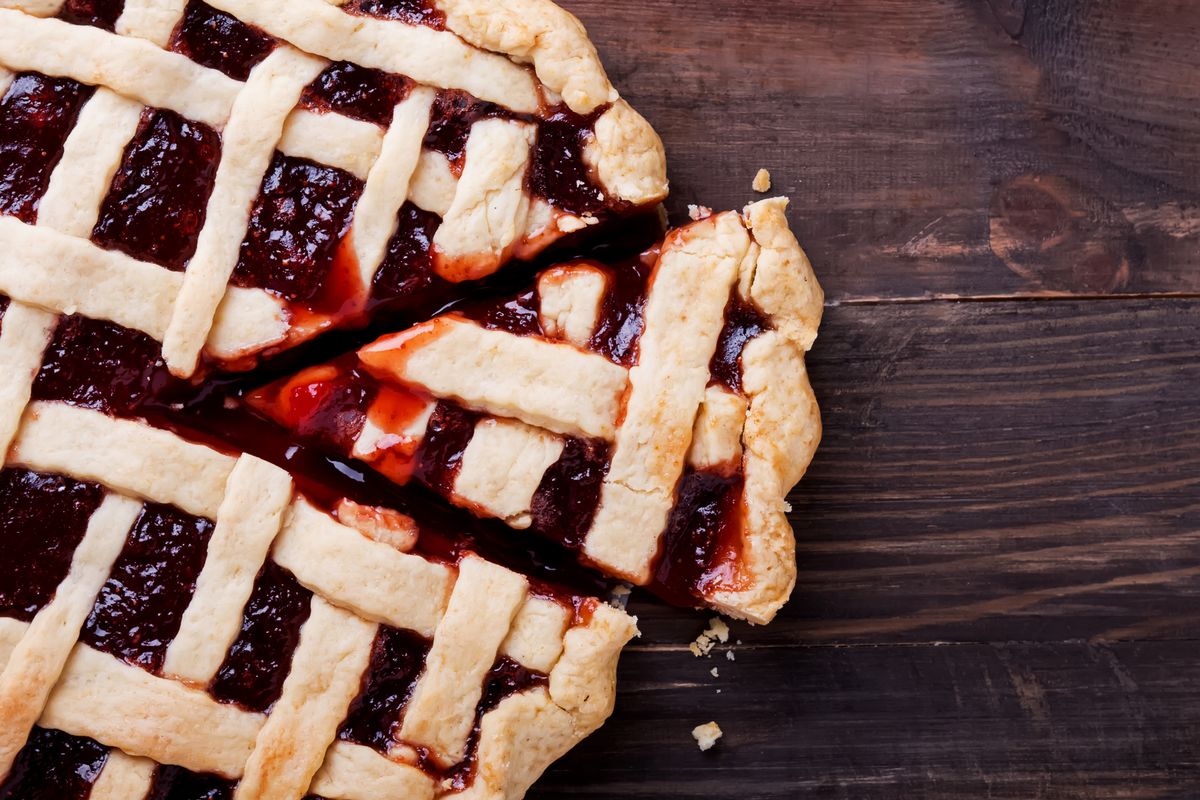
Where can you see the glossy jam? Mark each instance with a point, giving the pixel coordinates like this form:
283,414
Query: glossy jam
54,766
95,364
302,213
42,520
325,405
558,172
259,659
358,92
566,499
518,315
703,539
506,678
36,115
742,323
407,267
620,324
440,456
397,659
414,12
159,195
177,783
3,308
220,41
450,120
139,610
97,13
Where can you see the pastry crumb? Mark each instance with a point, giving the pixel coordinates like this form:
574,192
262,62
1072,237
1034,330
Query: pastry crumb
619,597
729,655
698,213
714,672
706,735
717,631
762,181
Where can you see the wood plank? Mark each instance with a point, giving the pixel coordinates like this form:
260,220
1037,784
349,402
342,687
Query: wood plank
1017,471
1073,721
941,148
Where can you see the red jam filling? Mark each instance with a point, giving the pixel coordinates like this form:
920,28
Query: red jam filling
139,610
3,307
450,120
414,12
159,195
54,766
565,501
358,92
703,539
220,41
397,660
619,326
302,213
177,783
407,267
742,323
260,657
42,520
95,364
440,456
36,115
518,316
558,172
97,13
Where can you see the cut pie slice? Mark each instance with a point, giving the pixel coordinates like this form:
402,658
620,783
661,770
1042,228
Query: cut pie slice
181,621
234,176
651,415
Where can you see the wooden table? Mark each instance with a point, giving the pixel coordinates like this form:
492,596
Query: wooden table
999,540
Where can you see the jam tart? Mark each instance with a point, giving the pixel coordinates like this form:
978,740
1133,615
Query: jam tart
650,415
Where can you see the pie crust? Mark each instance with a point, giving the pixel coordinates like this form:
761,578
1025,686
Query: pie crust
690,383
504,135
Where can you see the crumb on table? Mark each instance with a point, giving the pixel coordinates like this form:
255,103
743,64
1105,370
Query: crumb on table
698,213
762,181
706,735
717,631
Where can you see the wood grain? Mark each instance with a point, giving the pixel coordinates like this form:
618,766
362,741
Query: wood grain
938,148
999,539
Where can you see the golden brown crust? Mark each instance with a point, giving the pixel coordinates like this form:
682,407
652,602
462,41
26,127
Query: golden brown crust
783,422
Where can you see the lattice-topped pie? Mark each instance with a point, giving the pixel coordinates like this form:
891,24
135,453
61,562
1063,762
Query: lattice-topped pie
231,177
651,415
193,602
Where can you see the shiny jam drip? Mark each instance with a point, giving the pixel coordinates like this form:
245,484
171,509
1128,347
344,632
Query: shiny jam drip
220,41
42,520
97,13
397,659
558,172
439,457
177,783
407,267
620,324
302,213
742,323
414,12
506,678
703,538
95,364
450,120
325,405
36,115
258,661
566,499
358,92
159,195
54,766
139,610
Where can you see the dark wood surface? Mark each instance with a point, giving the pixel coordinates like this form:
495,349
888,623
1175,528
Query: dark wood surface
999,540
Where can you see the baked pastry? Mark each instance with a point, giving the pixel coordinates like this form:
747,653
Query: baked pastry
174,618
187,181
651,415
234,176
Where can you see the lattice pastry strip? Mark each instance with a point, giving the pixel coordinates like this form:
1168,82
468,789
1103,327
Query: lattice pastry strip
316,162
67,662
637,413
